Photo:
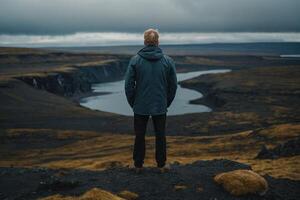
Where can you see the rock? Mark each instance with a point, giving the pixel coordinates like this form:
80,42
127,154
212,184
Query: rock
264,153
200,189
93,194
128,195
56,184
242,182
289,148
60,174
180,187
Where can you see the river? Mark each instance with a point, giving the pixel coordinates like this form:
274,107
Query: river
114,99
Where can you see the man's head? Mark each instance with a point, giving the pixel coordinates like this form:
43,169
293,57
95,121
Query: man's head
151,37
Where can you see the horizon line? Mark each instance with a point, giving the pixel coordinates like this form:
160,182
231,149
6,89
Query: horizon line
102,39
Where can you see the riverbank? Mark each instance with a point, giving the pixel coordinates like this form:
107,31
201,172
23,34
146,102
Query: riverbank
116,102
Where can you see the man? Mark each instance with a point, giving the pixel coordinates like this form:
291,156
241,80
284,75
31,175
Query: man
150,87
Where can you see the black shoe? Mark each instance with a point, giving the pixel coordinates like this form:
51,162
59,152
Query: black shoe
161,165
164,168
137,165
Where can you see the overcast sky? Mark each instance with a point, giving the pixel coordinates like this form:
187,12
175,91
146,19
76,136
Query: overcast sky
68,17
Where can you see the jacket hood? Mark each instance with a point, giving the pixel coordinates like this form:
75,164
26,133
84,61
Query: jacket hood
151,52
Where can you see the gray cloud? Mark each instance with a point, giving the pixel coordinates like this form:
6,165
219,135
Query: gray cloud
55,17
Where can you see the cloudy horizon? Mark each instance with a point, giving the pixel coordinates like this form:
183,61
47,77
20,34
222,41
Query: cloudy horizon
122,22
116,39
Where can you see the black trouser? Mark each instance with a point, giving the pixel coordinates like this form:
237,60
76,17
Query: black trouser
140,126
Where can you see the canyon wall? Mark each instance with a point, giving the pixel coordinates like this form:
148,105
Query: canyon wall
79,79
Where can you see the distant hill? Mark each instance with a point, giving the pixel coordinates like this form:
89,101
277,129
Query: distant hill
275,48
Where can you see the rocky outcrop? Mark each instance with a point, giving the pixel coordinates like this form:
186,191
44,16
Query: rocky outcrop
289,148
78,78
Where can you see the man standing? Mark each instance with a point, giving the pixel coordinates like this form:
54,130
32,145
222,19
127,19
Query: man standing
150,87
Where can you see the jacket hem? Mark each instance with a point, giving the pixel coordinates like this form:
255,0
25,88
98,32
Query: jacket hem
161,113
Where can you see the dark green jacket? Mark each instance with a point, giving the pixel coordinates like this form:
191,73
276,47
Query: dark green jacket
150,81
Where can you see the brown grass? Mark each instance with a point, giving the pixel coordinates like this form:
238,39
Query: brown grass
59,134
95,63
96,151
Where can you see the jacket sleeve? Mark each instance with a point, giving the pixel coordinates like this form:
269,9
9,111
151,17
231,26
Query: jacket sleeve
130,82
172,83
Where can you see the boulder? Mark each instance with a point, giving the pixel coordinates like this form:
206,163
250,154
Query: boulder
95,194
289,148
242,182
128,195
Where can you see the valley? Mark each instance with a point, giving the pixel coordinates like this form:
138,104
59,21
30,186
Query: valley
43,125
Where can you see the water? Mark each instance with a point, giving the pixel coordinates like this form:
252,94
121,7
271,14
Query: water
115,101
290,56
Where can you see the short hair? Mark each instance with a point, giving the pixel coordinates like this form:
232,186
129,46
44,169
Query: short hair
151,37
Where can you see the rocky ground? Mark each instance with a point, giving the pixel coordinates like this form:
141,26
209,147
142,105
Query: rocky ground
191,181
